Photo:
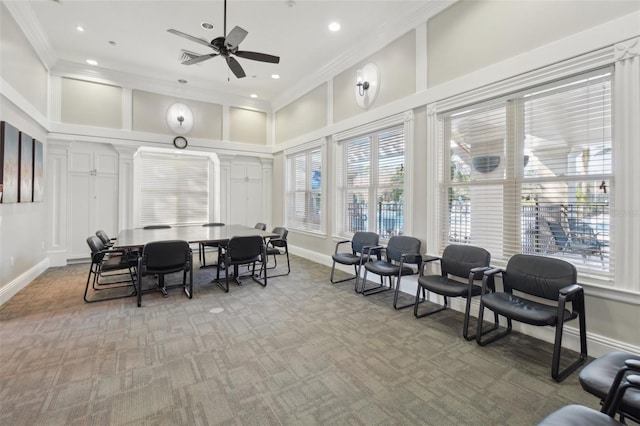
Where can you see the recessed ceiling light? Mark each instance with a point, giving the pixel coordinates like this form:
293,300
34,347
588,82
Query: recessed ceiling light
113,43
253,95
79,29
92,62
182,81
275,76
207,26
334,26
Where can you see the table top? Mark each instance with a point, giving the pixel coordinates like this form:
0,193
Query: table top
138,237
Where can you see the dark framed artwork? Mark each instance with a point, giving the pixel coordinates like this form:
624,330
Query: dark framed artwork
10,162
38,171
25,192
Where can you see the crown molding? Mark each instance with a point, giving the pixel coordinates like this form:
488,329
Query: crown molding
377,39
26,19
214,93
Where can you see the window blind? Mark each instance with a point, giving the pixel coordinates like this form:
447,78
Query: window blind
173,190
304,190
532,173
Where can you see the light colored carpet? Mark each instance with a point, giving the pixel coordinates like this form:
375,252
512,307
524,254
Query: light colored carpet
298,352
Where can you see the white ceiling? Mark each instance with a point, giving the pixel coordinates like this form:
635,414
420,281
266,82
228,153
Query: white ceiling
297,31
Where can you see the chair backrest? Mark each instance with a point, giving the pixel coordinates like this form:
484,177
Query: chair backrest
261,226
96,245
538,275
362,239
402,244
166,255
103,236
244,248
560,237
213,224
280,241
157,227
459,259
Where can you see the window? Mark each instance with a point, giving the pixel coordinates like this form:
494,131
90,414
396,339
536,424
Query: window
371,182
304,190
532,173
172,189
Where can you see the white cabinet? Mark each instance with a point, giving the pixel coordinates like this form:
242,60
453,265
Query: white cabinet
92,196
246,194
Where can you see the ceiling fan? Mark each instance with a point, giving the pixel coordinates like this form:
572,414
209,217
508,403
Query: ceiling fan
225,47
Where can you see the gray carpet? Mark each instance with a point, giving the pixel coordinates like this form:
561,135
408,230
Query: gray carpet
298,352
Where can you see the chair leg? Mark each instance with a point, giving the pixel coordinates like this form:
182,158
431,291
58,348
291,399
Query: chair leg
333,281
373,290
495,336
467,315
418,302
288,267
557,374
395,297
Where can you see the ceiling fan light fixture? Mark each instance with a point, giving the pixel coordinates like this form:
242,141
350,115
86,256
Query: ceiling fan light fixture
207,26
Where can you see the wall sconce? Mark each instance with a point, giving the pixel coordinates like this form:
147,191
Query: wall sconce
180,118
367,85
362,85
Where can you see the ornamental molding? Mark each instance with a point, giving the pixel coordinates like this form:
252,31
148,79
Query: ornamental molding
627,49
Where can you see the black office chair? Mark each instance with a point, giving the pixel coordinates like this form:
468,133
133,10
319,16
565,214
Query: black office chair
400,251
109,271
361,243
541,277
242,250
261,226
579,415
457,261
605,373
104,237
203,246
278,246
166,257
157,227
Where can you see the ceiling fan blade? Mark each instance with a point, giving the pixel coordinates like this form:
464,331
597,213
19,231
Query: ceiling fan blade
235,67
190,37
255,56
199,59
234,38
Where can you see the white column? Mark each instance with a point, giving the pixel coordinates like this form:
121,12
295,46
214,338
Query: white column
626,214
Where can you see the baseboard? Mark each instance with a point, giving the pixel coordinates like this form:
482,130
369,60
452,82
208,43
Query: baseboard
597,345
12,288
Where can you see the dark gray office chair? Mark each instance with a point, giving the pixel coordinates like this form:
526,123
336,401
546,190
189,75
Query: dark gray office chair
400,251
579,415
457,261
536,277
110,270
605,373
361,243
242,250
261,226
278,246
202,247
166,257
104,237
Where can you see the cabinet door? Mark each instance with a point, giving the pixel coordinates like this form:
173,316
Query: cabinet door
105,203
78,214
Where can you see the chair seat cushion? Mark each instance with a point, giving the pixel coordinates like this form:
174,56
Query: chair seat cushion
577,415
380,267
273,251
118,262
523,310
346,258
447,287
597,376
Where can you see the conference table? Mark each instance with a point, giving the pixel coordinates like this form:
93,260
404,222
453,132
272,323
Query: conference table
138,237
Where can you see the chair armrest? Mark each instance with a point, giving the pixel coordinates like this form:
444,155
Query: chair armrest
338,243
570,290
411,258
633,364
479,269
488,280
426,259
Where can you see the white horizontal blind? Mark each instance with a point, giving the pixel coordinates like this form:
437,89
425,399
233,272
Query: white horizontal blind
532,173
304,190
370,178
174,190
